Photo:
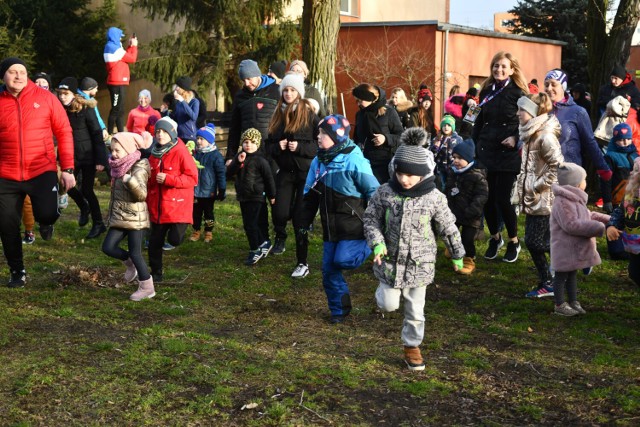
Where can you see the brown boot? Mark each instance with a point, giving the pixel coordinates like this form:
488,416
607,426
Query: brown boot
447,255
413,358
145,290
208,236
469,266
195,236
131,273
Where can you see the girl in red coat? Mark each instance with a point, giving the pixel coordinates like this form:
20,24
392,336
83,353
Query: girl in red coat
170,192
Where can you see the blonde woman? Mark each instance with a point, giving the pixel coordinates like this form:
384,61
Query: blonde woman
398,101
186,109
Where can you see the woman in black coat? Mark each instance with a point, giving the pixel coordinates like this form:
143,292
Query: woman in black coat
90,154
377,129
495,133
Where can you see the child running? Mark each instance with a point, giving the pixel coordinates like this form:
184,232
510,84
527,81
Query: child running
573,232
254,180
212,182
128,214
397,225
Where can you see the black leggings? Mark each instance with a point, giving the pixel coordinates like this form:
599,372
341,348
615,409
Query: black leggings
116,114
537,237
499,203
203,206
86,192
174,233
111,247
290,205
43,191
562,281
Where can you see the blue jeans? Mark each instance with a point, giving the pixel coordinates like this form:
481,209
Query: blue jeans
338,256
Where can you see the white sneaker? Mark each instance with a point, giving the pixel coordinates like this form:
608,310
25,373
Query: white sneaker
301,270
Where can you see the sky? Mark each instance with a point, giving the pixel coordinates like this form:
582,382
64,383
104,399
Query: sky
477,13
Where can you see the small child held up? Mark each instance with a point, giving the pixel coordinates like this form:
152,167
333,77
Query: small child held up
620,156
467,192
398,226
625,223
128,214
254,180
212,182
573,232
442,147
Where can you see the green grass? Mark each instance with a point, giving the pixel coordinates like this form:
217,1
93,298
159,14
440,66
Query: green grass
220,338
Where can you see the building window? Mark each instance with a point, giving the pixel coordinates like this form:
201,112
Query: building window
349,7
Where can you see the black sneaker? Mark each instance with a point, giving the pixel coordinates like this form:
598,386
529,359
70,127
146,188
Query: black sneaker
494,247
46,232
278,248
265,247
513,249
254,257
83,217
17,279
29,238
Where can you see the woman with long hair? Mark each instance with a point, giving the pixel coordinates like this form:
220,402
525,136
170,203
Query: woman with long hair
186,109
422,114
377,129
495,132
291,143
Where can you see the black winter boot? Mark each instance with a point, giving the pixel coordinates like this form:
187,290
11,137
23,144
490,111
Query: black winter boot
83,218
97,229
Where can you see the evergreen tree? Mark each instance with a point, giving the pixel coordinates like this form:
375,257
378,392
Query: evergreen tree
217,35
562,20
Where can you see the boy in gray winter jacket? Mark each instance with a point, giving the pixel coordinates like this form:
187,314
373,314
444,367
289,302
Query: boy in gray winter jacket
397,225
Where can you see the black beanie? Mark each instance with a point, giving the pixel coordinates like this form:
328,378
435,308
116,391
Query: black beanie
69,83
8,63
184,82
362,92
42,75
278,68
619,71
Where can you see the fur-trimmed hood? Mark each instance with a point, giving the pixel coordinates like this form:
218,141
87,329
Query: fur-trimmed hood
404,106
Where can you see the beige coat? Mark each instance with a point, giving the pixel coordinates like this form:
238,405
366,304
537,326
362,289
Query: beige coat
128,206
541,156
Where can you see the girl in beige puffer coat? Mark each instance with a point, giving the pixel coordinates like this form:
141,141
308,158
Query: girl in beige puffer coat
128,213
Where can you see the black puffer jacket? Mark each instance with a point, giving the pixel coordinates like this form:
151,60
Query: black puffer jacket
88,147
252,110
300,160
497,121
470,197
627,89
254,178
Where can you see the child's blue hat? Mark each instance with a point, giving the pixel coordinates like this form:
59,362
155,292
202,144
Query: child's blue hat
465,149
208,132
337,127
621,131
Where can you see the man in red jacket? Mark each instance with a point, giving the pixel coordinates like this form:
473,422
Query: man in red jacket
29,118
117,61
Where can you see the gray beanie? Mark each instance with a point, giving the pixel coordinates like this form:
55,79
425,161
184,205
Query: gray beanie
526,104
248,69
413,160
295,81
571,174
168,125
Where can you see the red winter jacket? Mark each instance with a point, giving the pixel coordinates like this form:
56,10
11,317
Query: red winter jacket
117,65
28,123
172,201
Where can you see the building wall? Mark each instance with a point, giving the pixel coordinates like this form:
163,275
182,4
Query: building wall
387,11
633,66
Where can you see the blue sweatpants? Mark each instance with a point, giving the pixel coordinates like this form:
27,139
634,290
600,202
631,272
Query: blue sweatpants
338,256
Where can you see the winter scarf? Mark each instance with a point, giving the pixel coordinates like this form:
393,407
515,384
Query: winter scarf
371,124
464,169
420,189
119,167
160,150
326,156
206,149
532,126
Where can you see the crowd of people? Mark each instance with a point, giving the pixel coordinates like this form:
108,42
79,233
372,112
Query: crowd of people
391,191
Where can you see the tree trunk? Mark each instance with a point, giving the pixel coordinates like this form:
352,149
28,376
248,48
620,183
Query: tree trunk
320,27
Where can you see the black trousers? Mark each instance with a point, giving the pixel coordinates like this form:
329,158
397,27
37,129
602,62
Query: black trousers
203,206
634,268
86,192
468,237
256,223
116,114
43,191
499,203
290,205
537,237
111,247
174,233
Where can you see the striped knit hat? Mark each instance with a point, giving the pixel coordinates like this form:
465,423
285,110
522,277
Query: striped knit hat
208,132
413,160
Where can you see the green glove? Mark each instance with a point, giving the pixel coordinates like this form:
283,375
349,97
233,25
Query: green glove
379,249
458,263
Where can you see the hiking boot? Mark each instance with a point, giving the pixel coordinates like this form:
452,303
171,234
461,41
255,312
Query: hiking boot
278,248
254,257
195,236
301,270
83,217
513,249
265,247
46,232
145,290
494,247
413,358
468,266
577,307
17,279
131,273
29,237
565,309
544,290
168,247
208,236
97,229
447,254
